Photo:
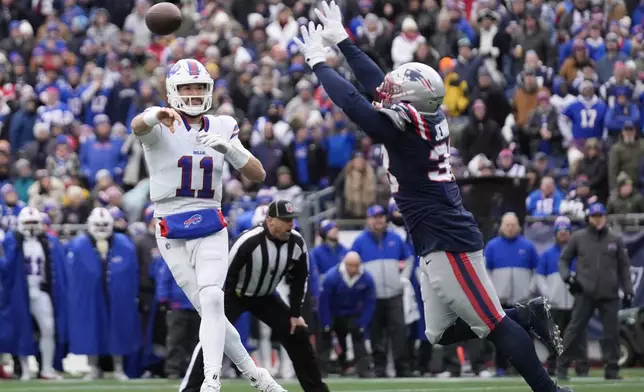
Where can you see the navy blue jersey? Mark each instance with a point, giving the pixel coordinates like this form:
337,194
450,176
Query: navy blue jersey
416,158
422,183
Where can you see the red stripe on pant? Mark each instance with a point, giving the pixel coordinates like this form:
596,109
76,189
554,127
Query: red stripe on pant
466,289
477,282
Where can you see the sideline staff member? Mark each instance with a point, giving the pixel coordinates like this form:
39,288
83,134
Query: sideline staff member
259,259
602,267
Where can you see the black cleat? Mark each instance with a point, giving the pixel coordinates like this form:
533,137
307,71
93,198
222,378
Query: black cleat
536,316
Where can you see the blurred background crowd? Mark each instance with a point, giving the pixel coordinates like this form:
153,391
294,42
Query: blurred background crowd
545,101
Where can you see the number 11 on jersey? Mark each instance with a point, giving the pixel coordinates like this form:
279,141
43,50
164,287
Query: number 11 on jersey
206,164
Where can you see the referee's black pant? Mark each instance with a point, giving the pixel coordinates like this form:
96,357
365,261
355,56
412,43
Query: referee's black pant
274,313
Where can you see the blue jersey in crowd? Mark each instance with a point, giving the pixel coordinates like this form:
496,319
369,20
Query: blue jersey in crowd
538,205
587,118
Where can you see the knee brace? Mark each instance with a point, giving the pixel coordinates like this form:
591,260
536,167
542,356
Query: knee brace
212,297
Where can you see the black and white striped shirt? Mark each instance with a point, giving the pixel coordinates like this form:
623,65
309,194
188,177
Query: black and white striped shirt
258,262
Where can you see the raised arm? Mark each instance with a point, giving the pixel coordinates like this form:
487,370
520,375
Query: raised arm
366,71
369,75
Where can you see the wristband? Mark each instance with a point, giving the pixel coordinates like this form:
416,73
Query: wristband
237,156
150,117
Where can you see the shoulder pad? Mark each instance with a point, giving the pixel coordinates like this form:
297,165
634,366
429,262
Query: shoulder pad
229,126
397,115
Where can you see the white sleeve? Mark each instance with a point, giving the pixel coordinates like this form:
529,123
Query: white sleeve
152,137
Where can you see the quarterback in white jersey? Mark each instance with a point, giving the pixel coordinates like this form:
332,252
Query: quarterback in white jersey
185,152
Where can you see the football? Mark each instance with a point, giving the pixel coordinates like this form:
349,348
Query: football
163,18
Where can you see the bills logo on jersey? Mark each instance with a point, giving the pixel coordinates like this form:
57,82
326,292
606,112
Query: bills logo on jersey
414,75
193,220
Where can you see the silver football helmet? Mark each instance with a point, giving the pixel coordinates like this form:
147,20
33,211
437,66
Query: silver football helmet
416,84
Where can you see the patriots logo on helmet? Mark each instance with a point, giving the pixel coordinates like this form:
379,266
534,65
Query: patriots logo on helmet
193,220
414,75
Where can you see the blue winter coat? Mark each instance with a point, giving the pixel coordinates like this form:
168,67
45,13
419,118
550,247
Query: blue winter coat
103,303
15,313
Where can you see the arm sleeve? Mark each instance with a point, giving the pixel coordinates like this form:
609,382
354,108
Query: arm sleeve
624,266
356,107
369,75
567,255
298,277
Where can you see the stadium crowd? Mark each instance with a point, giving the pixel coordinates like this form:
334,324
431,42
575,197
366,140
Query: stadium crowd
550,91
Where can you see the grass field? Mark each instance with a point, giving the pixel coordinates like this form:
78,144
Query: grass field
633,382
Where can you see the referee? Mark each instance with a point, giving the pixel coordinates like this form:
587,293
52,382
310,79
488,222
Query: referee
259,259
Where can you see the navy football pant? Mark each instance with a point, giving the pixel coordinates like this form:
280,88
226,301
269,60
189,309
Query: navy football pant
460,303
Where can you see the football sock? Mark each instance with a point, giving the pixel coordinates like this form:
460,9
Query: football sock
516,345
47,349
235,350
460,331
213,318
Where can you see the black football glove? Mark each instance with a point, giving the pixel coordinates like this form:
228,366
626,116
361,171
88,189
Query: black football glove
573,286
627,301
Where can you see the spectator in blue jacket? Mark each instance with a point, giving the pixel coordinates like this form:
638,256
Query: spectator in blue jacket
347,304
182,321
551,286
546,200
511,261
22,124
623,111
382,251
330,252
102,152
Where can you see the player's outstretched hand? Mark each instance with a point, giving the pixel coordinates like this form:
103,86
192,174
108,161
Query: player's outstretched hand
311,45
213,141
331,17
168,117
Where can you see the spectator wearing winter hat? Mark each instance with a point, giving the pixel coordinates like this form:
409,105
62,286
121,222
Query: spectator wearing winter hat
507,167
542,130
63,163
622,111
594,167
491,94
330,252
358,186
102,152
626,156
23,119
405,44
456,100
625,199
524,102
10,206
610,55
467,62
23,179
618,82
16,41
578,59
481,135
40,148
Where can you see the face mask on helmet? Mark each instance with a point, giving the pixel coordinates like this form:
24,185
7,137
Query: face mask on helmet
30,222
100,224
183,85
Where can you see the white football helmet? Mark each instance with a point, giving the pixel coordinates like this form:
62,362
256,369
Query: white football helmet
188,71
30,222
100,223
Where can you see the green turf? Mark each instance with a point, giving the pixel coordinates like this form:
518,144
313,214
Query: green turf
633,382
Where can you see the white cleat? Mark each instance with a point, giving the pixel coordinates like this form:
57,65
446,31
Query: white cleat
206,387
265,382
444,375
486,374
50,374
26,375
94,374
120,376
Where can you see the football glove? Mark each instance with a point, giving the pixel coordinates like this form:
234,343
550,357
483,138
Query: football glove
331,17
311,45
213,141
573,286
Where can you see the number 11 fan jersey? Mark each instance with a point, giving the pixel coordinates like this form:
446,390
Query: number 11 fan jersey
184,174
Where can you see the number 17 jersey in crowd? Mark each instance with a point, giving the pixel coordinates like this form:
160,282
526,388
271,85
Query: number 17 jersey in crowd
184,174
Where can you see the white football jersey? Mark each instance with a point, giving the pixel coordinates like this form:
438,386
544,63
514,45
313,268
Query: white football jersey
35,259
186,175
